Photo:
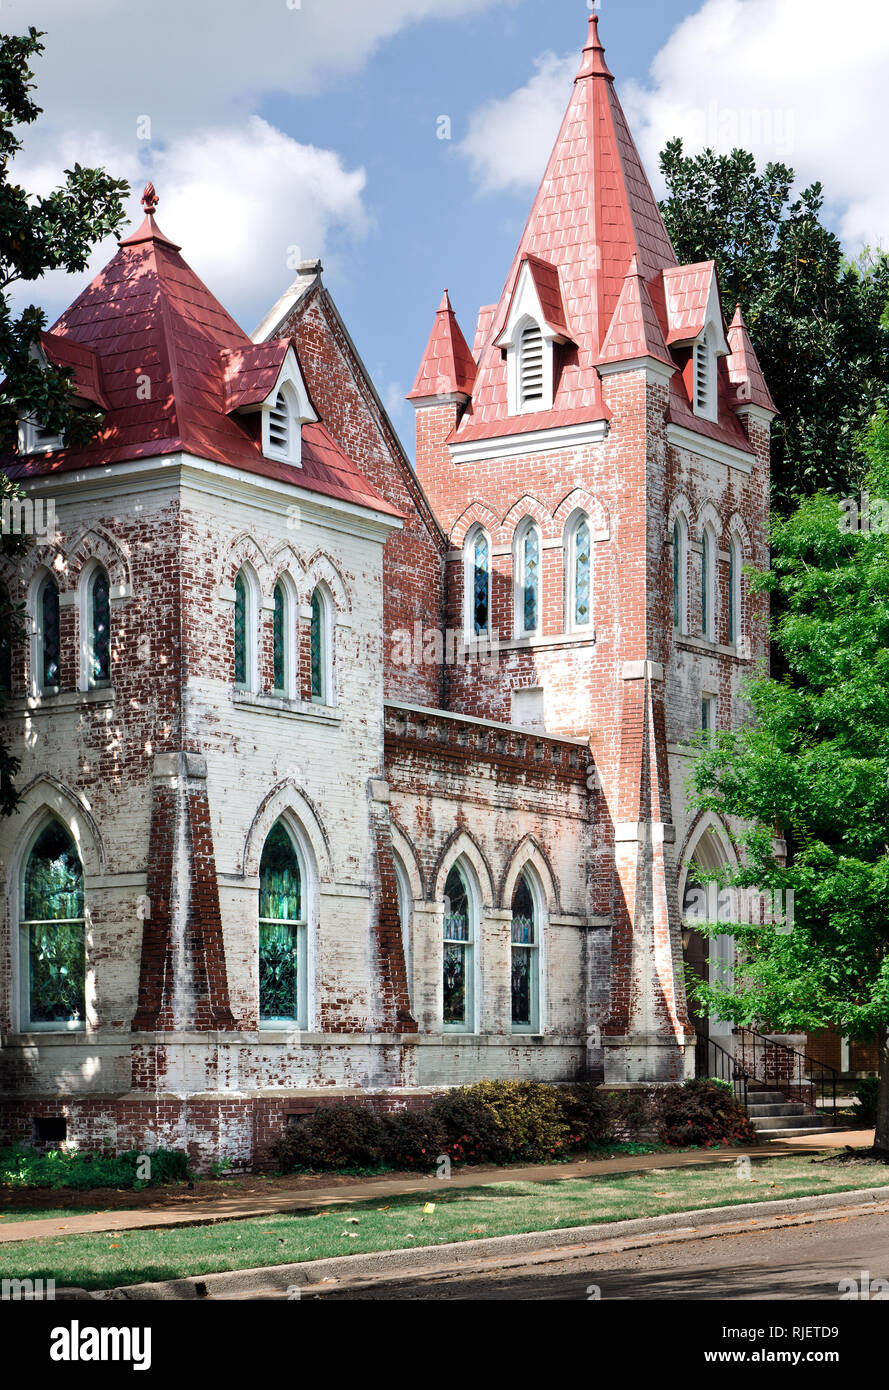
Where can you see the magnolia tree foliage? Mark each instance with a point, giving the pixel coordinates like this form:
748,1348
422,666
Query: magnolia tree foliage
37,234
812,767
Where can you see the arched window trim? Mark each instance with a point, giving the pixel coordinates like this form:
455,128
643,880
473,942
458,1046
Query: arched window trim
709,557
572,530
26,1023
533,365
471,631
526,529
251,630
302,927
321,667
680,575
39,687
470,945
535,1024
282,425
86,620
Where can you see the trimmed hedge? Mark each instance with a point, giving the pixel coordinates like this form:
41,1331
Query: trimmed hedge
507,1122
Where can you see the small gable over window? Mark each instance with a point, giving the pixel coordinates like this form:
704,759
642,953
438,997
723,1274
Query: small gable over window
266,378
535,324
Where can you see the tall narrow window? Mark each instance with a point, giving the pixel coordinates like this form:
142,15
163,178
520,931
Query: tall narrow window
53,939
48,648
477,580
527,587
320,656
279,640
458,954
525,960
404,919
734,592
242,655
708,605
282,932
531,367
99,639
680,576
580,551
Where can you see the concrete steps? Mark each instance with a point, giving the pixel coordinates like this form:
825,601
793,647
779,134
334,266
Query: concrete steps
775,1117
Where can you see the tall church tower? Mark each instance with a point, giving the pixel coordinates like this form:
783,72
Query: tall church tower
600,464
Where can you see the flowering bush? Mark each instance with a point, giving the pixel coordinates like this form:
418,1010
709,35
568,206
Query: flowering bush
701,1113
413,1139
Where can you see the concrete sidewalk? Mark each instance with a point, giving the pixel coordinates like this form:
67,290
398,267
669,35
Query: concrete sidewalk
207,1212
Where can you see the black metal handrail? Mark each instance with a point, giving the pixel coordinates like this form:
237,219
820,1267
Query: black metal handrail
711,1059
794,1073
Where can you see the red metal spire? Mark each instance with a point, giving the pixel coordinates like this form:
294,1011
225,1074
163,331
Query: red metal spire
594,64
448,366
149,231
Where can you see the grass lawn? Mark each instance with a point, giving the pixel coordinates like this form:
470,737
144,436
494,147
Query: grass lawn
504,1208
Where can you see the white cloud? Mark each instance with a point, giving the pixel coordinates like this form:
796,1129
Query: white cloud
509,140
801,83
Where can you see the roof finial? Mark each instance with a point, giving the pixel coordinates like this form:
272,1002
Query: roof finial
150,199
594,64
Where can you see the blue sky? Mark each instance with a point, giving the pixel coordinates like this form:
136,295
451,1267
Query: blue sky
281,124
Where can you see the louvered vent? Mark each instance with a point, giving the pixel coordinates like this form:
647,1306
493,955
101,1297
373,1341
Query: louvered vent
531,367
279,425
702,377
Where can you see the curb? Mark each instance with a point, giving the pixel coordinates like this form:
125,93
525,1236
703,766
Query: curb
393,1266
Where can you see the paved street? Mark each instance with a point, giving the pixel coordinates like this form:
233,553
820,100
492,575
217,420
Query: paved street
803,1263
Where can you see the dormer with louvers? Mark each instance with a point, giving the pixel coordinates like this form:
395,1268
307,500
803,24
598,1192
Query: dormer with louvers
535,326
53,350
266,378
694,312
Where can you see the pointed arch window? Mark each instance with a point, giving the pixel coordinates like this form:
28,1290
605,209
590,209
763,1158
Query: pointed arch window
281,641
242,641
98,623
708,584
680,575
283,951
734,592
52,934
47,647
405,919
527,579
578,579
320,647
477,584
525,952
460,927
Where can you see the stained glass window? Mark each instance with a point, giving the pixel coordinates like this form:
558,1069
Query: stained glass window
706,616
582,553
318,654
524,958
49,617
677,588
279,638
530,561
734,592
100,629
241,631
481,584
282,926
457,977
54,954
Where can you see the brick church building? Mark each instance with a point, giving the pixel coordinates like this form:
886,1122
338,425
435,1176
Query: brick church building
341,777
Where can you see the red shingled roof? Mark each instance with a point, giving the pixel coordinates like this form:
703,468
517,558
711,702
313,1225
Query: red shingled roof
81,361
173,364
744,370
447,366
635,330
687,294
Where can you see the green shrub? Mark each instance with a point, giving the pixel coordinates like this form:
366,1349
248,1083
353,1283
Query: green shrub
473,1134
866,1094
338,1135
530,1116
83,1169
413,1139
590,1114
701,1113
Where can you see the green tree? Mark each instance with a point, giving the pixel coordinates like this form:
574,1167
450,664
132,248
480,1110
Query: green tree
818,321
813,768
38,234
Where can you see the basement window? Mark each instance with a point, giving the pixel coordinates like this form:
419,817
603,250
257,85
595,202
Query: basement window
50,1129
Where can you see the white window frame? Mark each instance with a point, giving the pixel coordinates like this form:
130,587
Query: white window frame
288,691
473,898
405,917
85,619
735,592
709,555
679,571
34,438
575,521
469,585
43,577
251,629
705,394
304,954
535,1027
709,712
326,629
525,528
26,1024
